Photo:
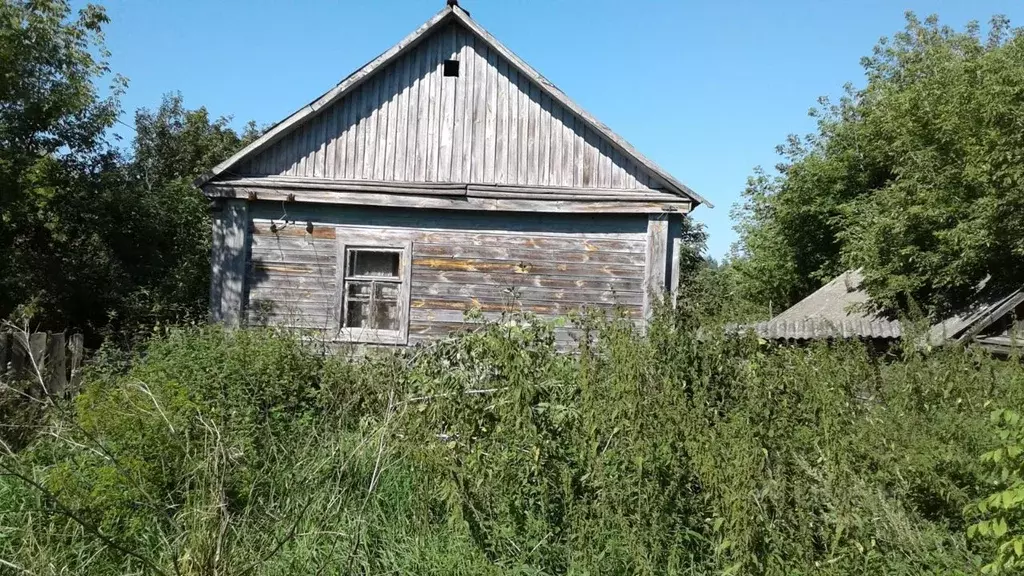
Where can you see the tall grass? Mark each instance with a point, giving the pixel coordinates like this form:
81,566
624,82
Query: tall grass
249,452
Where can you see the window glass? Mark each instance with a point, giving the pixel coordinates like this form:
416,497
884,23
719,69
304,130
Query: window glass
359,304
386,291
385,315
372,289
373,263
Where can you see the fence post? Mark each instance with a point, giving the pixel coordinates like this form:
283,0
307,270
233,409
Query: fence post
5,344
19,350
37,361
76,345
57,357
57,368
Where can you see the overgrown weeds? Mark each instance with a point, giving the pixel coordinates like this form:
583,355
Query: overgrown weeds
248,452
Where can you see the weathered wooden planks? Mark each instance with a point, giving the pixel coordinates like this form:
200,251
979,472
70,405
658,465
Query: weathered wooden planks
291,274
76,349
554,282
228,263
407,122
48,360
629,227
477,202
56,371
5,351
581,244
550,276
471,251
525,294
526,267
656,261
512,305
423,316
546,265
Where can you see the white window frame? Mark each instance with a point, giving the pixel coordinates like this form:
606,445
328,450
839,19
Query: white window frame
384,241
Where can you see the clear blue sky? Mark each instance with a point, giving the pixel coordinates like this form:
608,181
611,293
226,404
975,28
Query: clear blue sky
705,89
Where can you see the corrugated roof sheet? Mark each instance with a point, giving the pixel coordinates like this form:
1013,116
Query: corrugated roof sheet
837,310
821,329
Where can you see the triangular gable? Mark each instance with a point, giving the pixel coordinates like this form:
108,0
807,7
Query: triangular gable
504,124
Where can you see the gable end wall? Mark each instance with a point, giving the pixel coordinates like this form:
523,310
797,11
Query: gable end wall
489,125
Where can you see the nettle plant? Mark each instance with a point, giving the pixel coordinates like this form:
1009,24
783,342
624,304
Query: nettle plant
1003,510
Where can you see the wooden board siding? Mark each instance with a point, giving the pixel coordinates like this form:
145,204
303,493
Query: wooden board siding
228,262
291,276
489,125
546,264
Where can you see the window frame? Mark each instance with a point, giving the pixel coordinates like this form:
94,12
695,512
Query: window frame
380,241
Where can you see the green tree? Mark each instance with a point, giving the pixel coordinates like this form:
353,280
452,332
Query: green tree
54,160
168,242
92,237
916,178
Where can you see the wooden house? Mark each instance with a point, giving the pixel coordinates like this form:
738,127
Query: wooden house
444,176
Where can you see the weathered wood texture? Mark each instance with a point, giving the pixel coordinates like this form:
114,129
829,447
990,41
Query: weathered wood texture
676,247
656,261
491,125
471,197
228,261
549,265
48,360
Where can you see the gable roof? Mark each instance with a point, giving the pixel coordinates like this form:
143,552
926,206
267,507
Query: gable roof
839,310
836,310
451,13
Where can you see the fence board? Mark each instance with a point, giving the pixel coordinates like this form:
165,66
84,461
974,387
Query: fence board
57,357
5,345
19,349
76,346
56,372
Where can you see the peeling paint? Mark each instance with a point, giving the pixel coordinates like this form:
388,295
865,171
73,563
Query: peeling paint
474,304
282,269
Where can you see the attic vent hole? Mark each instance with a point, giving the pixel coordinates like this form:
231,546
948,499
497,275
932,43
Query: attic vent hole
451,67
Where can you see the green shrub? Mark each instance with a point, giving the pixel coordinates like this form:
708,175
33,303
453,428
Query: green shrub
1002,512
250,451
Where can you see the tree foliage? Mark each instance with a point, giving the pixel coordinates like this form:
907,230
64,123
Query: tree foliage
55,165
92,237
917,177
167,238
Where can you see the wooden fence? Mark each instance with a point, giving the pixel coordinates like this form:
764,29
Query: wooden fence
49,357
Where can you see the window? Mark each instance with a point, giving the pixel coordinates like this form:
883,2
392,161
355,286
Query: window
374,290
451,68
372,284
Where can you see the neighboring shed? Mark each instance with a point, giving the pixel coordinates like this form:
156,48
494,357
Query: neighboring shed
444,176
990,321
840,310
837,310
